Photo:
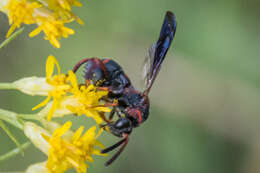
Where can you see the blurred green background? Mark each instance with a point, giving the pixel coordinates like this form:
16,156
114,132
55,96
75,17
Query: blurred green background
204,104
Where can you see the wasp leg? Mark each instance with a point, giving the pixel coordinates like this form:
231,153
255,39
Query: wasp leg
119,113
108,100
103,88
108,149
112,113
102,115
115,156
110,104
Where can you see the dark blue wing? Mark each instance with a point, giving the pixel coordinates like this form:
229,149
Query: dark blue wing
166,36
159,49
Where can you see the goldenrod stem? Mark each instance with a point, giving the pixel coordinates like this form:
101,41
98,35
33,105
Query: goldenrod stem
30,117
7,86
12,118
8,132
13,36
14,151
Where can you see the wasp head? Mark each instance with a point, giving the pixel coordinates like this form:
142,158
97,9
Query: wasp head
121,126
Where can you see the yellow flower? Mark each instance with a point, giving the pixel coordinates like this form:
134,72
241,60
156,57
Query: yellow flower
53,29
51,85
69,97
87,99
65,152
59,84
49,15
62,9
63,4
20,11
79,101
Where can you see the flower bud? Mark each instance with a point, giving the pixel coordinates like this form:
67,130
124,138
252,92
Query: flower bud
3,3
34,133
33,86
37,168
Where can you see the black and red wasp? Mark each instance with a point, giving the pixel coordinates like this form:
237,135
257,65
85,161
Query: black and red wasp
132,105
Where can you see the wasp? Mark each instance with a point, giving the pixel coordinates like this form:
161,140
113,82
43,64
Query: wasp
132,106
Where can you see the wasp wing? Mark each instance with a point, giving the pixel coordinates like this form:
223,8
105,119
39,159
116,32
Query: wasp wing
157,52
147,64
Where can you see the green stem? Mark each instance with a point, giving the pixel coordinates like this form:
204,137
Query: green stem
30,117
9,39
14,172
7,86
8,132
14,151
12,118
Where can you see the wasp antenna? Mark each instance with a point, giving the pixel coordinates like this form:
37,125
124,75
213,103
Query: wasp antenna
113,146
114,157
79,64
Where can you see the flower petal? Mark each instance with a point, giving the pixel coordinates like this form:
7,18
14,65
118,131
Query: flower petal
37,168
34,133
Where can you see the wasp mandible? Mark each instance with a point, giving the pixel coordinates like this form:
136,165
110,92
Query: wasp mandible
132,105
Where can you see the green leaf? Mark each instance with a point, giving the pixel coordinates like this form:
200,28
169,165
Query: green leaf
7,131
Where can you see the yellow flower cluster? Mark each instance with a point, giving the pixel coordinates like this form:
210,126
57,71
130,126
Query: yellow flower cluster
88,101
49,15
72,153
69,97
64,151
64,95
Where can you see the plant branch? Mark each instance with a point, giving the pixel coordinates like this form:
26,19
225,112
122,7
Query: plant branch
9,39
7,86
14,151
8,132
11,117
